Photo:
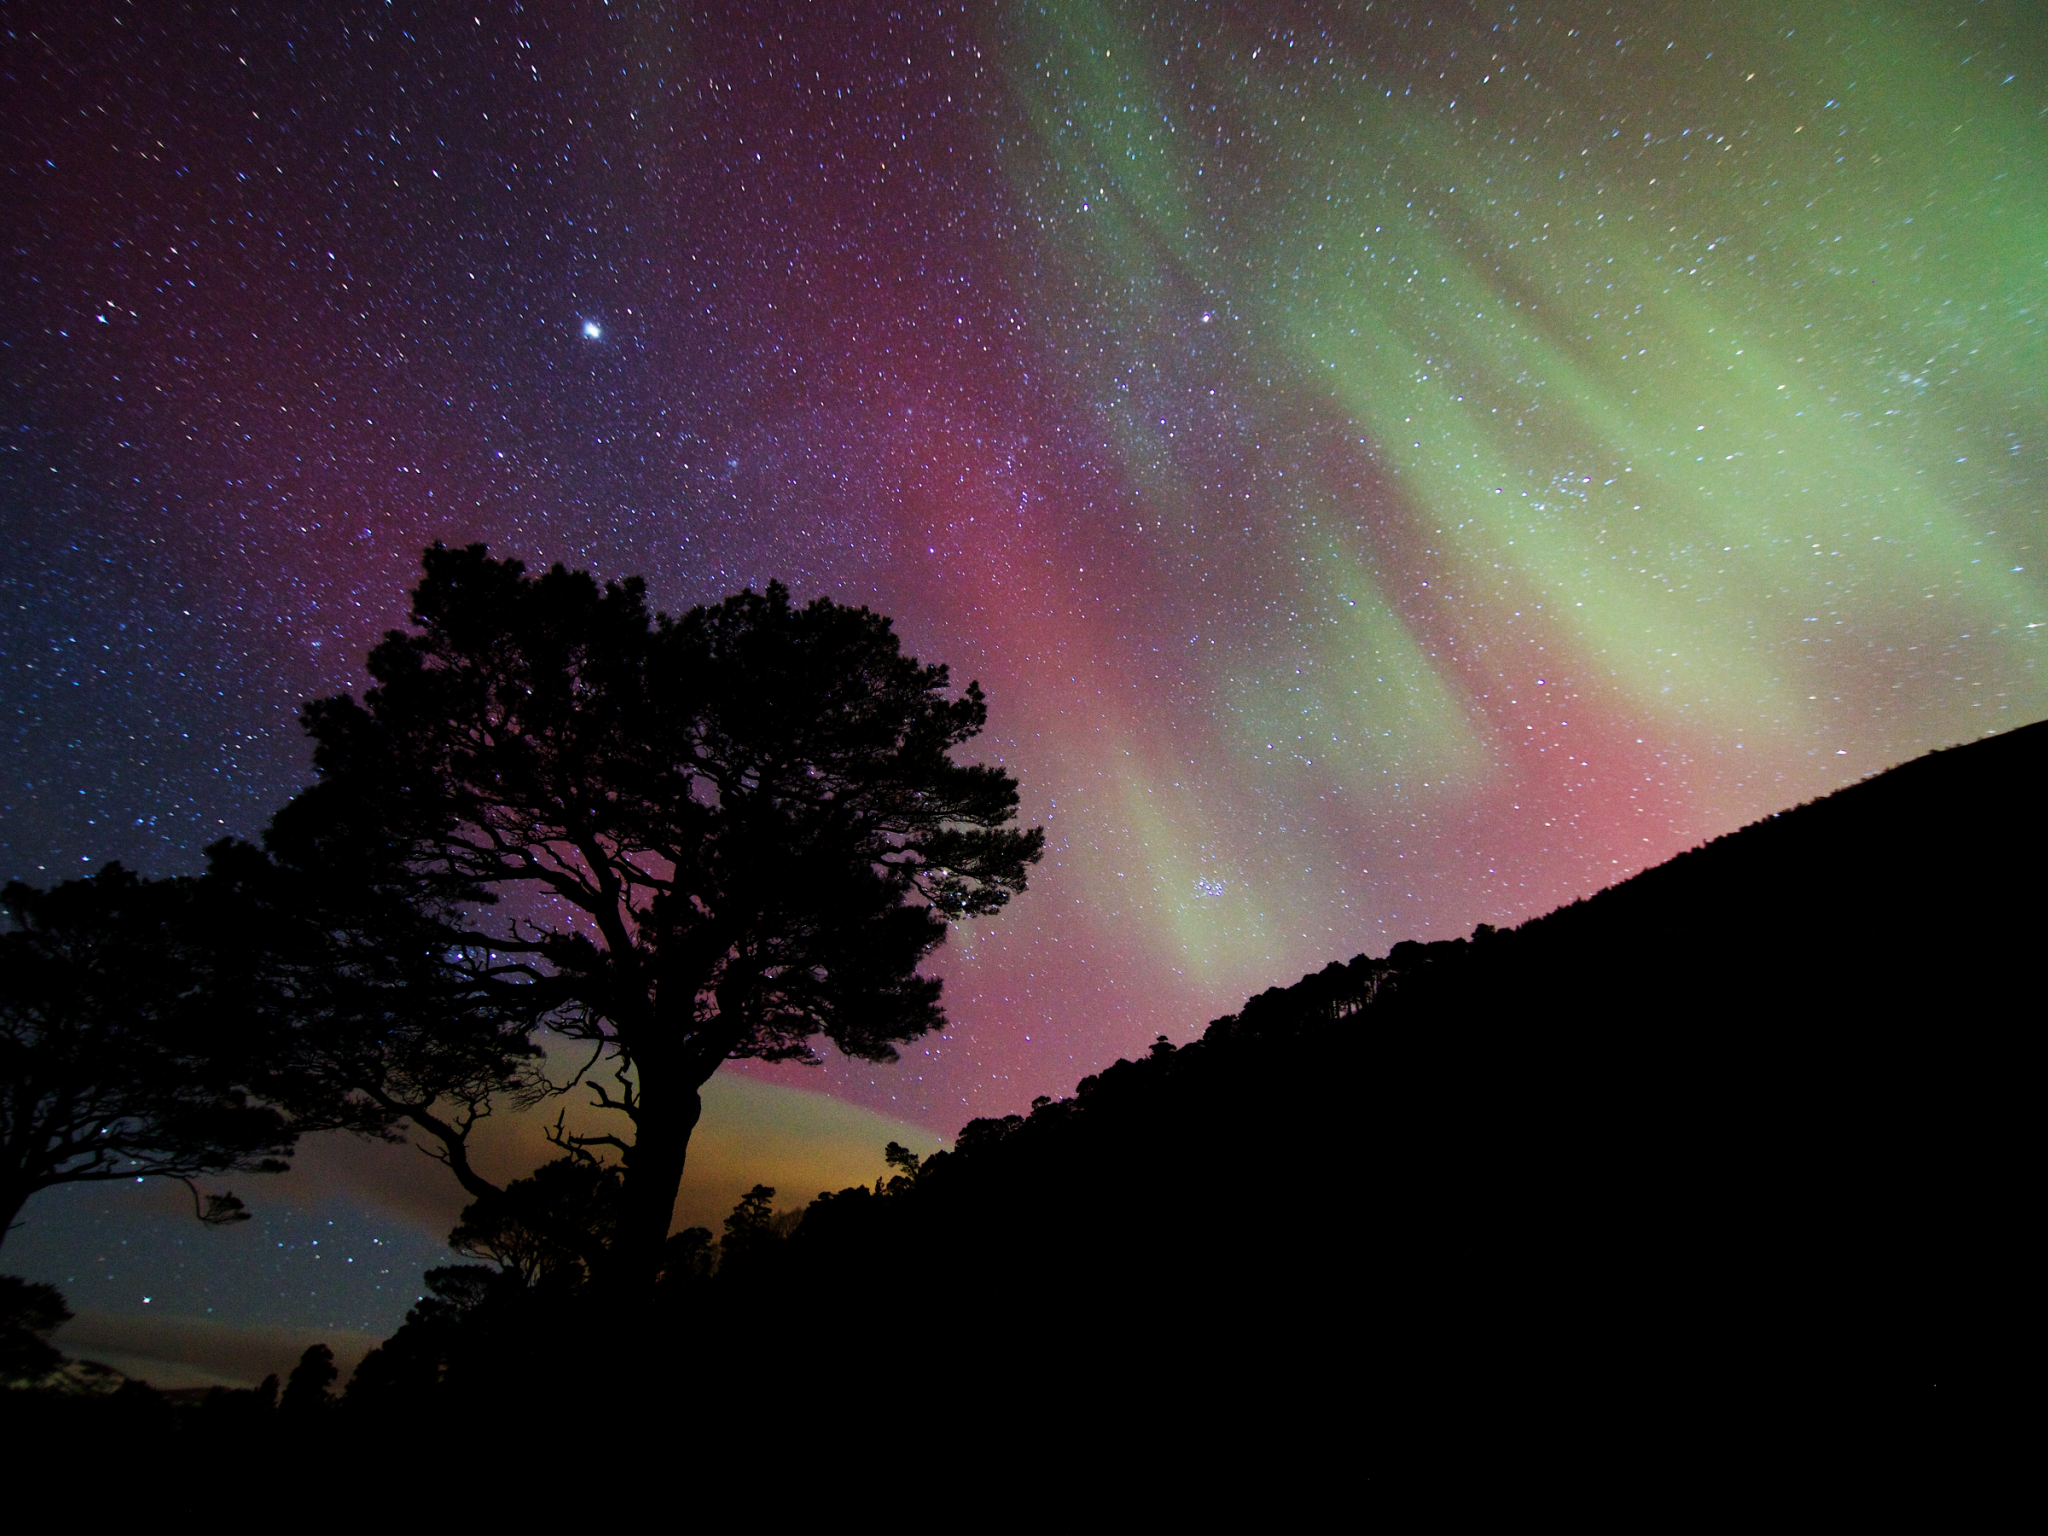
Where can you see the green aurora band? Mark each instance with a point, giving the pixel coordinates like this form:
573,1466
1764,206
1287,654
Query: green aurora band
1707,376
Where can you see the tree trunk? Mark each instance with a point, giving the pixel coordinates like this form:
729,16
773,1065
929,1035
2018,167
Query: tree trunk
667,1113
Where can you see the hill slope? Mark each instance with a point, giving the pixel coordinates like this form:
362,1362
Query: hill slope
1757,1110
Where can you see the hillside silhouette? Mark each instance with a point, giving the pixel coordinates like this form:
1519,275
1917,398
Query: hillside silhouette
1743,1127
1752,1116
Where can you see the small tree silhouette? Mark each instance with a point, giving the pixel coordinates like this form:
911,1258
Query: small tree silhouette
306,1392
907,1165
557,1225
748,1229
29,1313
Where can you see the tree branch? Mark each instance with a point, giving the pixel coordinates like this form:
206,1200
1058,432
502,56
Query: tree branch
454,1145
219,1210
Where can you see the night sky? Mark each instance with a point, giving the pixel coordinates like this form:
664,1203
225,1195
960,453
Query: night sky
1392,467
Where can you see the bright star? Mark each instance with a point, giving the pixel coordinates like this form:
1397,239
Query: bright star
592,329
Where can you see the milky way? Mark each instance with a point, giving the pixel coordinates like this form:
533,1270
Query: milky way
1391,468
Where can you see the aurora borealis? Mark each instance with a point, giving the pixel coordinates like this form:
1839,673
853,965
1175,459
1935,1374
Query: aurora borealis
1391,467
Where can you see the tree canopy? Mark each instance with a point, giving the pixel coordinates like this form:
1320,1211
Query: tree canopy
125,1051
379,1017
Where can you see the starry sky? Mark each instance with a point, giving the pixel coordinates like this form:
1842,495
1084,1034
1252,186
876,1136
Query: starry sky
1392,467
